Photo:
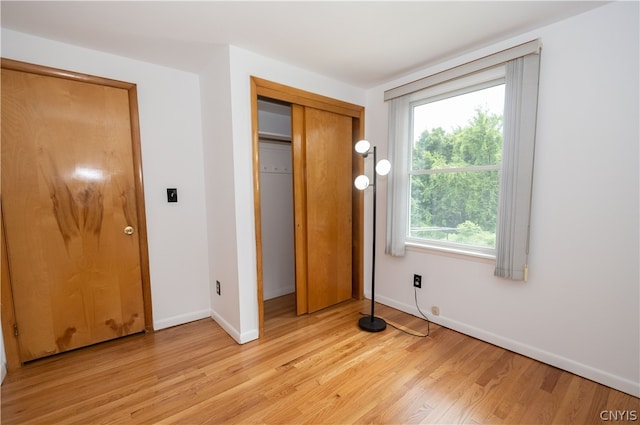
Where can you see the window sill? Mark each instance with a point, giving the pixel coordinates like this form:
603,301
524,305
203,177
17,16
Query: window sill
450,252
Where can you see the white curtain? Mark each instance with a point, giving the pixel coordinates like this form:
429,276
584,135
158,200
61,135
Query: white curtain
398,180
518,146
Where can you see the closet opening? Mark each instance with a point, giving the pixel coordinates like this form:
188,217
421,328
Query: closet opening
276,206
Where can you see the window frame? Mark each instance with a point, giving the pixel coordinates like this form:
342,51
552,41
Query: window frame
482,79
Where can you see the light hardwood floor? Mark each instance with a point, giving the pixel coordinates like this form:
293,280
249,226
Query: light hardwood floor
314,369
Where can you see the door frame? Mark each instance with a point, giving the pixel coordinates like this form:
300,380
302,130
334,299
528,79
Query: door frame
8,311
276,91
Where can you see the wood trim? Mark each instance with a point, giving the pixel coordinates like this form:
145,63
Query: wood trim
60,73
137,167
255,141
140,205
300,206
357,216
276,91
300,97
12,350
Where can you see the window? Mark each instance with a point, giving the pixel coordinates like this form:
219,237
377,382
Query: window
455,156
464,181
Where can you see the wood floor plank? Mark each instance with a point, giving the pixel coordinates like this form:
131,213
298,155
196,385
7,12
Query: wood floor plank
317,368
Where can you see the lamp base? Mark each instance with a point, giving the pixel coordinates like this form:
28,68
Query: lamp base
372,324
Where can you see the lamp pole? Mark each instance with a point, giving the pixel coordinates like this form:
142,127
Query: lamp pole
371,323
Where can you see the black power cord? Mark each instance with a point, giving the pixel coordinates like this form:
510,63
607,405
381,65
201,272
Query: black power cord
415,293
415,297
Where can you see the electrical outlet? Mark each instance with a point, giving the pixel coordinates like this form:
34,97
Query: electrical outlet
417,280
218,287
435,310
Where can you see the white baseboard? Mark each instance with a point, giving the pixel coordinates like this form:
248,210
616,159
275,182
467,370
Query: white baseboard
180,319
239,337
597,375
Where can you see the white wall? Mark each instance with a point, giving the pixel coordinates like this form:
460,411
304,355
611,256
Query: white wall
170,127
580,308
220,194
276,209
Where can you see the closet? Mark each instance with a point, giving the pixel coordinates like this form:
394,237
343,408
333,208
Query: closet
313,137
276,198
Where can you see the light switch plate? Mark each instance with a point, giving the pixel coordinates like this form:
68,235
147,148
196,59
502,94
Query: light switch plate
172,195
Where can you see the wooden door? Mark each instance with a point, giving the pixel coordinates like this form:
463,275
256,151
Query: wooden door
69,201
324,209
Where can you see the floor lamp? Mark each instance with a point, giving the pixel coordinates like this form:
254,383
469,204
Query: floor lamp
363,147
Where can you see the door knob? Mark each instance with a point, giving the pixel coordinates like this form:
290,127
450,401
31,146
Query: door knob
128,230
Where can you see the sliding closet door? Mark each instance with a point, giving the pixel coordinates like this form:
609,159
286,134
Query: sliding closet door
323,196
328,218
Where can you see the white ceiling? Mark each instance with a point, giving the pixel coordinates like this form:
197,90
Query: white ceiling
363,43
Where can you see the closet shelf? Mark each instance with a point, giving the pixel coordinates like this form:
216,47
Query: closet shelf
264,135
